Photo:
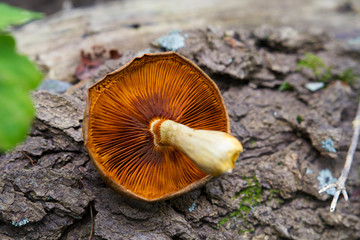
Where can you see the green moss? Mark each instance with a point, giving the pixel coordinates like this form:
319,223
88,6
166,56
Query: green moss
253,143
249,197
347,76
249,230
299,119
285,86
222,221
324,73
317,65
274,193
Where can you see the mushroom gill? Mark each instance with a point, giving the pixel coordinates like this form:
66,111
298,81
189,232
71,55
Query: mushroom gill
122,107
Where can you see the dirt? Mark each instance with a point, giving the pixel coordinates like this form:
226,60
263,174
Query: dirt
49,188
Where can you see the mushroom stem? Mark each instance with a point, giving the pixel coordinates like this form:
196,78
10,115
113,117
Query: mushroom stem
213,152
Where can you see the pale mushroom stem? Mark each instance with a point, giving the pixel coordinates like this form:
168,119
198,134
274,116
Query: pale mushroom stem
213,152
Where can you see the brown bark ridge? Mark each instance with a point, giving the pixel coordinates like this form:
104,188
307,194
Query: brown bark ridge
273,190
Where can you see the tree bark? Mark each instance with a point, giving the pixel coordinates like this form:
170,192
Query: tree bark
49,187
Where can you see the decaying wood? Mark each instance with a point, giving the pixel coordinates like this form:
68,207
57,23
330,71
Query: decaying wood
273,190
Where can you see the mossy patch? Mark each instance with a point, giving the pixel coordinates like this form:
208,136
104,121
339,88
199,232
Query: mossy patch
274,193
299,119
285,86
249,197
323,72
253,143
347,76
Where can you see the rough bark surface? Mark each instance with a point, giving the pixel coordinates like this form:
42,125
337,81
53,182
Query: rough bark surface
49,187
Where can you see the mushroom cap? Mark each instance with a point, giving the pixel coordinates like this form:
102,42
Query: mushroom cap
116,126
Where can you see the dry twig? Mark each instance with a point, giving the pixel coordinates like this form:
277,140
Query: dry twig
340,184
32,162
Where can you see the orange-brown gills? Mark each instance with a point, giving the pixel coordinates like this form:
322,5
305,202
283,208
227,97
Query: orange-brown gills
118,117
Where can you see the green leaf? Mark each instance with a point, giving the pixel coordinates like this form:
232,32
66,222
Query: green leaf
15,16
17,113
18,75
16,70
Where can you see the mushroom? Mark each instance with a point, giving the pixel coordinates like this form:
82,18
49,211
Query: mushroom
158,127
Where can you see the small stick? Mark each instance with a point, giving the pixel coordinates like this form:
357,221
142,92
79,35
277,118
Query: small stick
32,162
340,184
92,222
